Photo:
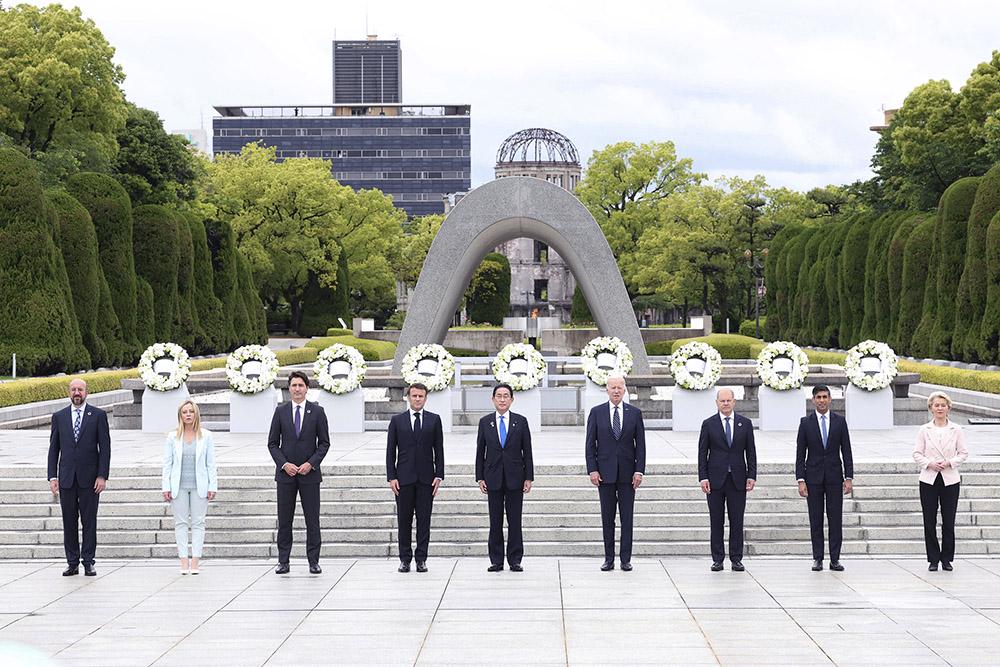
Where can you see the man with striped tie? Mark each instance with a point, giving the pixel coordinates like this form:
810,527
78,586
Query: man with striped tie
79,464
616,461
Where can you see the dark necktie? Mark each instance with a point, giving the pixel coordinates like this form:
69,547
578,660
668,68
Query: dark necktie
76,425
416,423
503,433
298,420
729,433
616,425
822,422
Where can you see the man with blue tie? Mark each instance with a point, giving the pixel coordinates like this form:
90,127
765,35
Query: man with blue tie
823,480
79,464
616,462
504,471
298,441
727,470
414,465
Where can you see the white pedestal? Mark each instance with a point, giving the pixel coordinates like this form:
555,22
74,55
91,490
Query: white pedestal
868,410
529,404
159,409
440,403
780,410
344,412
252,413
595,394
691,408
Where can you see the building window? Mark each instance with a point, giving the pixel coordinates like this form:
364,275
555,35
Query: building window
541,290
541,252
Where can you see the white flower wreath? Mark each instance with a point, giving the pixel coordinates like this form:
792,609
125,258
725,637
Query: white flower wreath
593,354
166,376
866,377
242,383
779,381
696,349
533,368
347,376
433,355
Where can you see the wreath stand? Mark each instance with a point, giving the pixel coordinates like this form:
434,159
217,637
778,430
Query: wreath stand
868,410
159,409
345,412
690,407
780,410
252,413
441,404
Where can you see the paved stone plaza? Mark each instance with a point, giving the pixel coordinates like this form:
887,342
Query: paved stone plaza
559,611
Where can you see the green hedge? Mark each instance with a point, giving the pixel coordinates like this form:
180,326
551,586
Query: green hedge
972,290
488,296
212,321
222,247
371,350
337,331
157,254
956,205
749,327
989,330
730,346
321,306
186,328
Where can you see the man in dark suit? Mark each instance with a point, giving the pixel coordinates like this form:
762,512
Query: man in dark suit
727,470
823,480
616,462
79,465
504,472
414,467
298,441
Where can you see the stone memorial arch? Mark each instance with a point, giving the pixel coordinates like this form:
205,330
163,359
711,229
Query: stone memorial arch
510,208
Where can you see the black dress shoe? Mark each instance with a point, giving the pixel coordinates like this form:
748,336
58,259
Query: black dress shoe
817,566
282,568
88,570
608,566
516,568
495,568
314,568
738,566
717,566
836,566
932,567
404,567
421,566
71,571
946,566
626,567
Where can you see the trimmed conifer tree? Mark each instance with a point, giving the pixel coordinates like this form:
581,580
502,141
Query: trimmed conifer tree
210,335
989,335
913,299
973,286
852,280
223,249
186,326
157,254
894,274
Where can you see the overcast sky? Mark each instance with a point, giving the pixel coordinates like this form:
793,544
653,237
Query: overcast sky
785,89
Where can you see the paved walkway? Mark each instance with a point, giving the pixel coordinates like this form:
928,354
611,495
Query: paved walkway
559,612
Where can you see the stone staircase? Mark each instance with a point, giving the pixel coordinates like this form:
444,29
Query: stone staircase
561,514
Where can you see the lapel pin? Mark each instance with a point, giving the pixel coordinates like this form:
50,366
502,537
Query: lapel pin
308,411
739,423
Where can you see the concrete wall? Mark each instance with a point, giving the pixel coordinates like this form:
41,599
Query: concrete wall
488,340
567,342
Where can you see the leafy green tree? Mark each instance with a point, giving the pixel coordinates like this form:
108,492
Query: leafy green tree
914,296
146,323
894,275
153,166
186,327
956,205
213,322
990,328
225,281
973,286
833,270
876,280
807,299
321,306
580,311
488,296
418,236
60,95
256,322
157,254
852,280
776,299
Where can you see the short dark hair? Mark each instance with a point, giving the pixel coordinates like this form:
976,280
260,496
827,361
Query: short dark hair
503,385
298,374
416,385
820,388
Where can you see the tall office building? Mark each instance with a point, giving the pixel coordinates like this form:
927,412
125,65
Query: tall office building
367,71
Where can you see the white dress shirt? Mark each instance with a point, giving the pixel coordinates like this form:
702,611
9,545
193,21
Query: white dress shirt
621,417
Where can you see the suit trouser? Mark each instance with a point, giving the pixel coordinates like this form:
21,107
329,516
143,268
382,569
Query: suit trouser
622,495
189,513
79,501
932,495
309,497
511,501
831,497
420,498
733,498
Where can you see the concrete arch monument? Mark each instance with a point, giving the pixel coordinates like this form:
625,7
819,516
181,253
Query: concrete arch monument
510,208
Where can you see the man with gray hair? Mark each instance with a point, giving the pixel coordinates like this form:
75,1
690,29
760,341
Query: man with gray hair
727,470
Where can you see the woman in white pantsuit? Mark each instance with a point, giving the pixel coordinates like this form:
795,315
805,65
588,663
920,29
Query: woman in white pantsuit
189,481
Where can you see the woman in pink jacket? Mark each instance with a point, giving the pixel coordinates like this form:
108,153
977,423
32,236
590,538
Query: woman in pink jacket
940,449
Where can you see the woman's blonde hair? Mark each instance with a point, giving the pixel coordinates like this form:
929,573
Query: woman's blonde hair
936,395
180,420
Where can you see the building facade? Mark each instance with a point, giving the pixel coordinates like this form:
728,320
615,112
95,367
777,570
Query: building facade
418,154
367,71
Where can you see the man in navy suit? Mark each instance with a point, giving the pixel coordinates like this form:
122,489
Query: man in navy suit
298,441
414,467
616,462
504,472
79,465
727,470
823,480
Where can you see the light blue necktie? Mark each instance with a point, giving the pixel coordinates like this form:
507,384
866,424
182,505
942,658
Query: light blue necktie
503,433
76,424
729,434
822,427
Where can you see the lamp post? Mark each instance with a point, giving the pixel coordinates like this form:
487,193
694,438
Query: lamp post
757,271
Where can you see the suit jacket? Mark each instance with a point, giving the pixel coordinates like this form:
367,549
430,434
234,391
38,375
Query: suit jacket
816,465
413,458
206,476
940,444
616,460
716,458
312,443
83,460
504,466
